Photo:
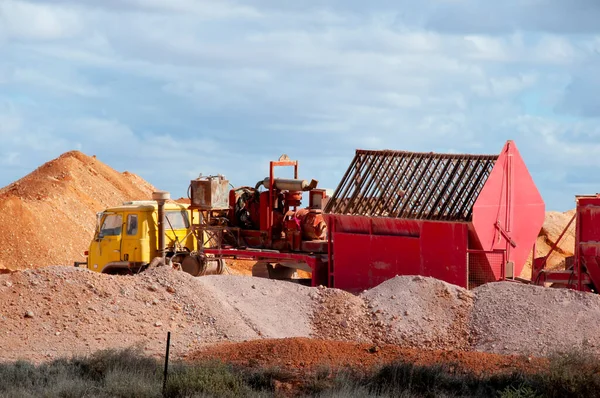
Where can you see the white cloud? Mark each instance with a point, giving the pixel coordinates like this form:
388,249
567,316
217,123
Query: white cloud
25,20
69,83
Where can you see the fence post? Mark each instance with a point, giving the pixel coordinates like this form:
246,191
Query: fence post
164,390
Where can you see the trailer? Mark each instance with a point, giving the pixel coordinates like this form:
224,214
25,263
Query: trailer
465,219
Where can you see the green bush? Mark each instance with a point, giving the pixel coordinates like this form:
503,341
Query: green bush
209,379
572,374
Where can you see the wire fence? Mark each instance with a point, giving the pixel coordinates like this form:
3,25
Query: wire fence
485,266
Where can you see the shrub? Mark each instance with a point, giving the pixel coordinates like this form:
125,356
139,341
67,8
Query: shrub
209,379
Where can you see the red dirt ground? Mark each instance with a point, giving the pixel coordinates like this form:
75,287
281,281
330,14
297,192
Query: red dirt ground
309,354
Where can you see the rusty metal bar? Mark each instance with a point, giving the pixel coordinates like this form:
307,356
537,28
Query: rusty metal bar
359,185
398,184
336,195
451,198
366,206
405,209
365,197
434,186
404,183
433,190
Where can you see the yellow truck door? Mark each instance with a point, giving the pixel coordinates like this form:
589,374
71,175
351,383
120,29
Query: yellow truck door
108,242
133,239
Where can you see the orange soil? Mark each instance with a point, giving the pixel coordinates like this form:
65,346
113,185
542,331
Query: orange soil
309,354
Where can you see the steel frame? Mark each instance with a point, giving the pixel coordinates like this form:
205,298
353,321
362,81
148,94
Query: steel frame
426,186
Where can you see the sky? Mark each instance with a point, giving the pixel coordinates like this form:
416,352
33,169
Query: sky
171,89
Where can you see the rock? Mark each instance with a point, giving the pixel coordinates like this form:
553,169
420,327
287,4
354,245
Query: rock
170,289
29,314
158,324
153,288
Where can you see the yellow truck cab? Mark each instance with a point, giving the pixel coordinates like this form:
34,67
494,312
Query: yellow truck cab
126,238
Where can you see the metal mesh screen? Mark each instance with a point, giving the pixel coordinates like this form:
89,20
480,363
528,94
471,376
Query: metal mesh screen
413,185
484,266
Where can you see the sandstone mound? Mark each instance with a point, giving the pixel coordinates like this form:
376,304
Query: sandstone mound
554,224
48,217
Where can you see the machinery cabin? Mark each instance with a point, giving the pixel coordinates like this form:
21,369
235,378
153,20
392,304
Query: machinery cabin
127,236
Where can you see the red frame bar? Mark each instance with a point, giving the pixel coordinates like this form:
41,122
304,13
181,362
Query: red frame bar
312,261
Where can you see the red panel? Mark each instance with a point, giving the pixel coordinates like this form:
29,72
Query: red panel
362,261
375,225
588,236
365,261
511,199
444,252
265,211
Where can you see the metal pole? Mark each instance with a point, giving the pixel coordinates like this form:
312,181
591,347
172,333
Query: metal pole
161,197
166,364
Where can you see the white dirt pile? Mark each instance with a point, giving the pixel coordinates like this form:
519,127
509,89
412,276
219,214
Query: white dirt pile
510,318
423,312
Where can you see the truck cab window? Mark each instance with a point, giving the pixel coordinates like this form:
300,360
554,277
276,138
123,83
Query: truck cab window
111,225
177,219
132,224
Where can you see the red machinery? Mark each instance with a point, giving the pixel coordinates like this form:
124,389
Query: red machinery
464,219
582,271
263,225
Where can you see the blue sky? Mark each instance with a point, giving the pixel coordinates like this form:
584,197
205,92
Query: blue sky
171,89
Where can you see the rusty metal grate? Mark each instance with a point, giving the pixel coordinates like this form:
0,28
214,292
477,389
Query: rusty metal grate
428,186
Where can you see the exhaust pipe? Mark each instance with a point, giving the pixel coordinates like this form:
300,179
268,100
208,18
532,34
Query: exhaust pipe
161,197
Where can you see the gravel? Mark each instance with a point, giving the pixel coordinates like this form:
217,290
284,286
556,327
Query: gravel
62,311
511,318
423,312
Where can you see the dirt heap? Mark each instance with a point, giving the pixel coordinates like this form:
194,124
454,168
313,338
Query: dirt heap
554,224
533,320
48,217
423,312
57,310
62,311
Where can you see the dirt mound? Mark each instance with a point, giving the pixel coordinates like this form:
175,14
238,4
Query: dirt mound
554,224
48,217
310,354
516,318
63,311
58,310
339,315
423,312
